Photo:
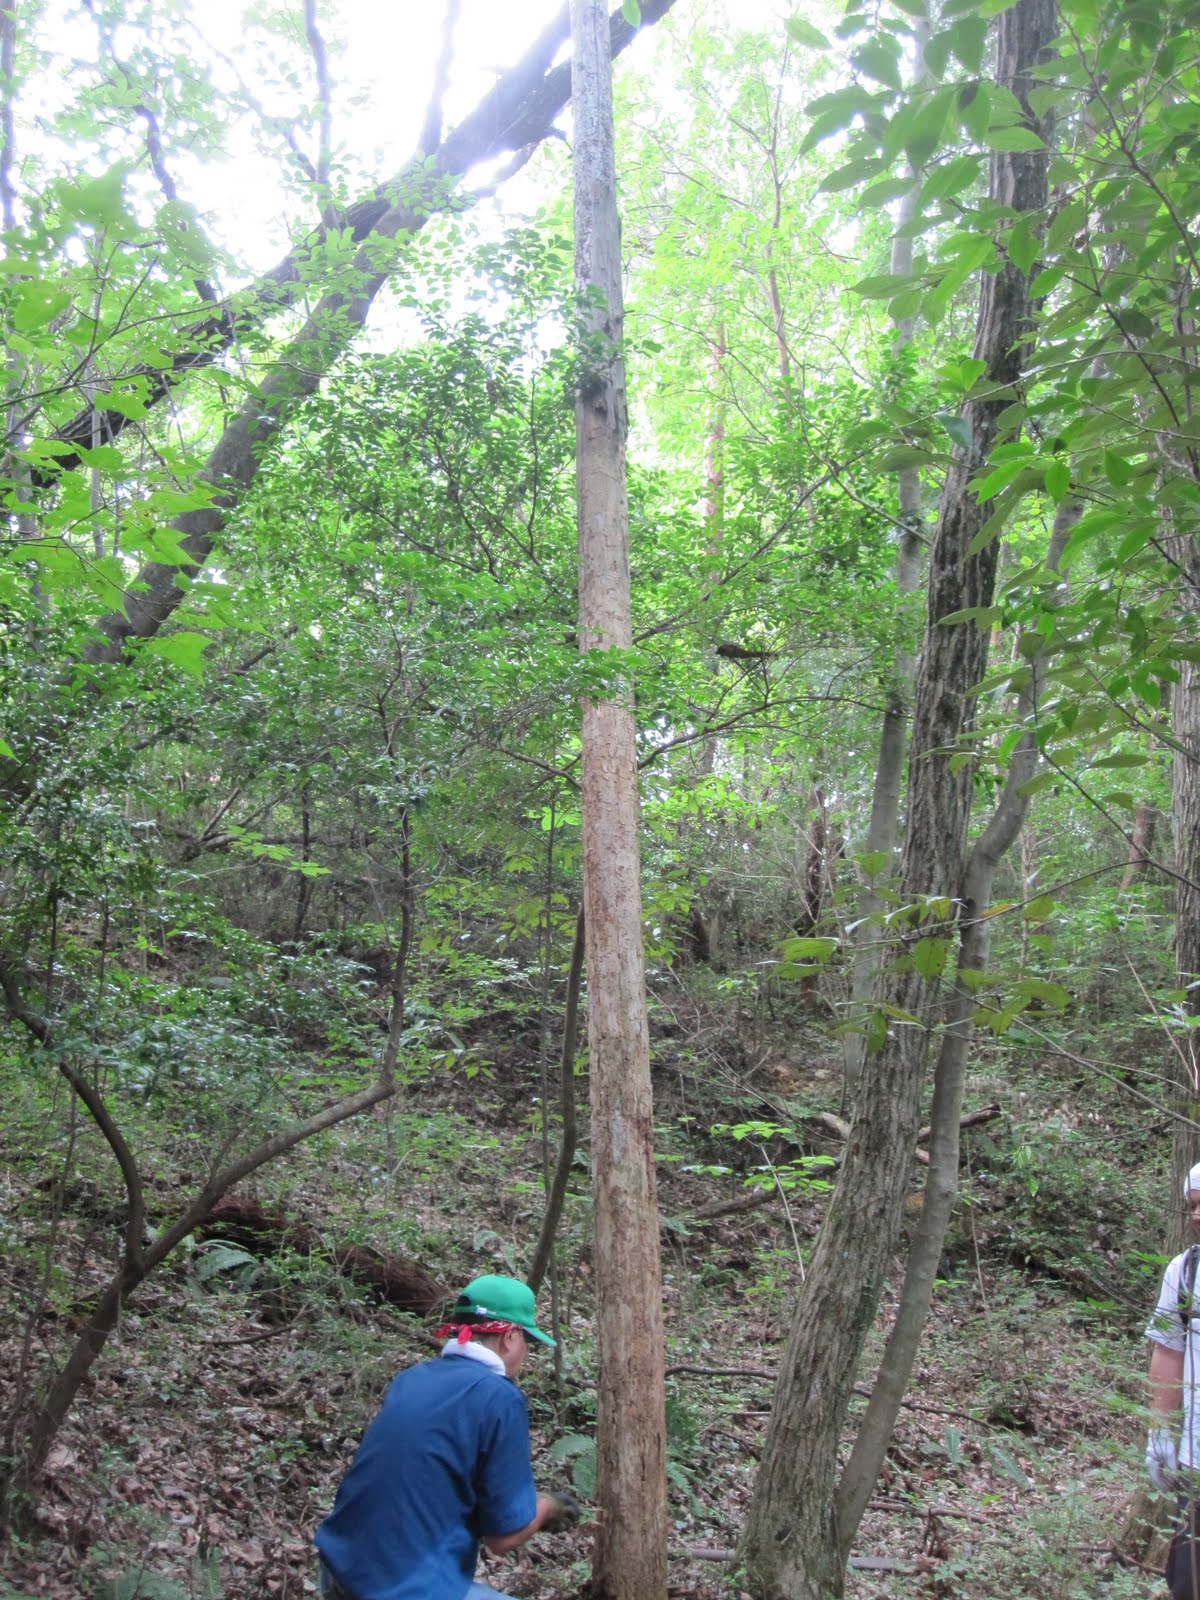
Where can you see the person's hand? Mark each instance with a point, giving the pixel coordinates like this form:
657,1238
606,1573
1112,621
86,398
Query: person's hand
1162,1459
564,1512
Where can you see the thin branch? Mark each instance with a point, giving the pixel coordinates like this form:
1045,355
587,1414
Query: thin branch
316,45
40,1028
431,129
8,87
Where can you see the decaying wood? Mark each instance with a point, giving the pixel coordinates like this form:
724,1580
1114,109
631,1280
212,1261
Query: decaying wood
393,1279
726,1208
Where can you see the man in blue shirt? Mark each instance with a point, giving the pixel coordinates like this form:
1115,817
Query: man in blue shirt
444,1466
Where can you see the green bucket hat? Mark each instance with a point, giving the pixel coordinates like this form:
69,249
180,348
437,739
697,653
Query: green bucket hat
502,1300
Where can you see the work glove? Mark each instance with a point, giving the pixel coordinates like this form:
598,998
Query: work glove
1162,1459
565,1513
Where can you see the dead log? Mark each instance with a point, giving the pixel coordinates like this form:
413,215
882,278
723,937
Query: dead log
391,1278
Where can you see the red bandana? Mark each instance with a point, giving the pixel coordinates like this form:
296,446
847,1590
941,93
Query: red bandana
464,1330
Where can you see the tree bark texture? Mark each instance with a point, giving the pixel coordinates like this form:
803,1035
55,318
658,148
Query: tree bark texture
794,1548
883,825
519,111
556,1199
941,1186
631,1542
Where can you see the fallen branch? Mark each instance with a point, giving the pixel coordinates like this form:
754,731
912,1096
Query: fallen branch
885,1504
723,1208
840,1128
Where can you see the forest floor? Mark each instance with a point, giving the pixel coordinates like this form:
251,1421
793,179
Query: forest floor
214,1430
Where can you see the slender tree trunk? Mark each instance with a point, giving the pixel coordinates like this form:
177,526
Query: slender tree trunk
570,1129
941,1184
883,824
1141,843
631,1540
32,1435
794,1547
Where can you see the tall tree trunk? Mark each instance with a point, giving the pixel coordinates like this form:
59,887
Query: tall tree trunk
883,824
794,1548
1141,843
941,1184
631,1540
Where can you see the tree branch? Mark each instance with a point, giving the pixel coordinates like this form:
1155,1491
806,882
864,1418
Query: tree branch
431,128
517,112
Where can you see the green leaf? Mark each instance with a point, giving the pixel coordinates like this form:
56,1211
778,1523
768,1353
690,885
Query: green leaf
1005,1462
808,949
1117,470
7,751
957,427
975,109
929,956
879,59
1036,785
882,286
1013,139
98,201
37,303
1022,246
873,862
104,457
1039,909
1049,278
1123,758
951,178
968,37
632,12
937,53
854,172
904,455
183,650
886,190
802,32
1058,479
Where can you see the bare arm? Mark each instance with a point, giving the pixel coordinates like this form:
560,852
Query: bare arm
501,1544
1166,1385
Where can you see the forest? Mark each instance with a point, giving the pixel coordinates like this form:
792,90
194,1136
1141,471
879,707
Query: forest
607,695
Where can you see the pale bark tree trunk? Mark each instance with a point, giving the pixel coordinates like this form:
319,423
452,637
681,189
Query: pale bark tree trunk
883,824
1141,843
794,1546
631,1539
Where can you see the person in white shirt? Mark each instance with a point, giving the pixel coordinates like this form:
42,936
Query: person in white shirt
1173,1442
